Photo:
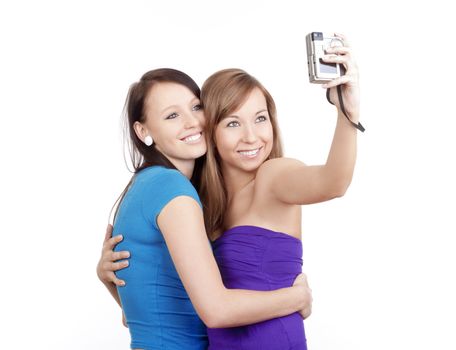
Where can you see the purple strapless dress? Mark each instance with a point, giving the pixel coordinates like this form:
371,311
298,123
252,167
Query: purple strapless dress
255,258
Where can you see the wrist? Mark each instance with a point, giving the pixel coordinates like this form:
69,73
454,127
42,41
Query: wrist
351,119
302,299
354,115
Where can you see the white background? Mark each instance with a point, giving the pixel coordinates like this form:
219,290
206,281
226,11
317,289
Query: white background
380,260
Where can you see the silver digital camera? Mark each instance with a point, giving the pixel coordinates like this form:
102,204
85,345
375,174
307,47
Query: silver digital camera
321,72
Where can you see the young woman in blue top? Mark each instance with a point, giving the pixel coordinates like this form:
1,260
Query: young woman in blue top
173,277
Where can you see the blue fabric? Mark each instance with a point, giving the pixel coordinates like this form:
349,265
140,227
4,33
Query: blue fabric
157,308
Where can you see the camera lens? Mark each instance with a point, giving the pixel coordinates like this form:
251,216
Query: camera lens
336,43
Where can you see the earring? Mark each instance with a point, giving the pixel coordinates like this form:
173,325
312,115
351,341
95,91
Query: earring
148,140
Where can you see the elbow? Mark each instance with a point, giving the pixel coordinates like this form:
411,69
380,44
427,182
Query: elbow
219,310
340,191
213,312
340,188
214,322
214,319
219,313
337,181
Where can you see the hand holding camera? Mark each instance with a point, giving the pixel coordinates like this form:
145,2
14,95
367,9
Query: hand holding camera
330,63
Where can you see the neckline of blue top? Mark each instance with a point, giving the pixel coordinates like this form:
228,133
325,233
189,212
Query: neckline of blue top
256,229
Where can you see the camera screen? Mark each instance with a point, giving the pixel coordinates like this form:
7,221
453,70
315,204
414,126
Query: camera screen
330,68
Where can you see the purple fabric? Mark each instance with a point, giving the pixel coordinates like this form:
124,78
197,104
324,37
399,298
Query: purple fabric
255,258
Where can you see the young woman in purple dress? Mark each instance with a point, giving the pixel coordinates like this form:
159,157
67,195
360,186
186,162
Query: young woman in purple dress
252,195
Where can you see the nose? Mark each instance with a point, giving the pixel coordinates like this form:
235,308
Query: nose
249,135
191,120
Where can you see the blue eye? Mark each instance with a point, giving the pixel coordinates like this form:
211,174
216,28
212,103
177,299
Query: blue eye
233,124
197,107
172,116
261,118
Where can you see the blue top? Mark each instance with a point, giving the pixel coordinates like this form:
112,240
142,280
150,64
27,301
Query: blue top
157,308
256,258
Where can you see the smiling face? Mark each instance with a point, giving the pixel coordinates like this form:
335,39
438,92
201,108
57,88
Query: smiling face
241,131
175,120
244,138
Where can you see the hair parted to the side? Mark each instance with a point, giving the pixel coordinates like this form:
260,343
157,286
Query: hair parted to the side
141,155
222,94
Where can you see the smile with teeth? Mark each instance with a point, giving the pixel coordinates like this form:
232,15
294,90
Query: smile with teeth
192,138
251,153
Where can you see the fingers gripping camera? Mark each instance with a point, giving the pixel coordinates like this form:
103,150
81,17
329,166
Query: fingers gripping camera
319,71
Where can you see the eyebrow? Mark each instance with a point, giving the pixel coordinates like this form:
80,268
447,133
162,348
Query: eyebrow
235,116
177,106
167,108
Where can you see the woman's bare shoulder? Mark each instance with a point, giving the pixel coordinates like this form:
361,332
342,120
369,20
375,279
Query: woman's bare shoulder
276,166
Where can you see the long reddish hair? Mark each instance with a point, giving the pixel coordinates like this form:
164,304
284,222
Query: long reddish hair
222,94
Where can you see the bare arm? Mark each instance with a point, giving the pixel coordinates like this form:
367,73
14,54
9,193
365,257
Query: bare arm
292,181
216,305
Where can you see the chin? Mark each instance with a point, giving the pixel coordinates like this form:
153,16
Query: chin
198,153
252,164
250,167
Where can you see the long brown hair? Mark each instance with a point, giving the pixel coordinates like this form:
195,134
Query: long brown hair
222,94
141,155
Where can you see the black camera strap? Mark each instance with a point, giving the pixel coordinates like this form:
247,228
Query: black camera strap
342,107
